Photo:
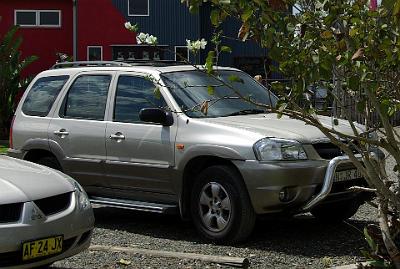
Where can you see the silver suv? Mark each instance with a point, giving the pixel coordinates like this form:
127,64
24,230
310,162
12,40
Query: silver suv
168,138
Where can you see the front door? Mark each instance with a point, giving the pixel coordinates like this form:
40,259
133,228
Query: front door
140,155
78,131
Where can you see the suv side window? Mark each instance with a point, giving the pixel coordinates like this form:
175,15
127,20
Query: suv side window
42,95
133,94
87,98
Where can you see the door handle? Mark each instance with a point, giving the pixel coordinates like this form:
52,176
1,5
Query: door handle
117,136
61,133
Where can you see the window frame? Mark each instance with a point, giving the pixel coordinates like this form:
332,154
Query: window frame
139,15
37,22
187,51
94,47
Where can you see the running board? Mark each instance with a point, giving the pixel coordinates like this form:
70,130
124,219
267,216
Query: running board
135,205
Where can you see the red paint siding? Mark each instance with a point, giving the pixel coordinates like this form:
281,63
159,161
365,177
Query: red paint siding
42,42
101,24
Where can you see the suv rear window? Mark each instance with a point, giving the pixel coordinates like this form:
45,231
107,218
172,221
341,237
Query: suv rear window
42,95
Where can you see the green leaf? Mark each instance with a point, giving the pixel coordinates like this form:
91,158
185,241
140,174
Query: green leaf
226,49
370,241
210,90
377,264
354,83
315,58
388,4
215,17
157,93
326,34
233,78
210,62
290,27
361,106
396,8
247,14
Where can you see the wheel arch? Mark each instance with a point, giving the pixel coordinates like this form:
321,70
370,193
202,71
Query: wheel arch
192,168
33,155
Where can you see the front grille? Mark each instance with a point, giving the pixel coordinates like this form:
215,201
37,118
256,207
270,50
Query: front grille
15,258
10,213
327,150
54,204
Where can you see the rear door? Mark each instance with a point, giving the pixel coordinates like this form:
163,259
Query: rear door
77,133
140,155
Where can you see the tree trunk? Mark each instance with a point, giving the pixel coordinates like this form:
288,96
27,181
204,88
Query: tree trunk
391,247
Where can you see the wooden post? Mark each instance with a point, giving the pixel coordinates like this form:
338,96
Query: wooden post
225,260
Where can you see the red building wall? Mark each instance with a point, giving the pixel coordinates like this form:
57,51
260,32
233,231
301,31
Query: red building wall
101,24
42,42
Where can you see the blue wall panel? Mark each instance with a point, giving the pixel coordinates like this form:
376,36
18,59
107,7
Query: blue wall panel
170,21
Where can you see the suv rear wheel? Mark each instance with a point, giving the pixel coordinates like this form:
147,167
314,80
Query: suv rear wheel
220,206
337,211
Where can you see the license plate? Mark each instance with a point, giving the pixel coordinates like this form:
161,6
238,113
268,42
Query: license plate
41,248
347,175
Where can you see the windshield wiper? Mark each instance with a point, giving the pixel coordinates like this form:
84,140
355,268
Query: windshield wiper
246,112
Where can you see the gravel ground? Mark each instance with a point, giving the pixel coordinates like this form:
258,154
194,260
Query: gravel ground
300,242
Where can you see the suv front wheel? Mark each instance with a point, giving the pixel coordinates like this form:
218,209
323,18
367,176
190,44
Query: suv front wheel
220,206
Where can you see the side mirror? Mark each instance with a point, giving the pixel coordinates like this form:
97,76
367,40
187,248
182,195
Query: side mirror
156,115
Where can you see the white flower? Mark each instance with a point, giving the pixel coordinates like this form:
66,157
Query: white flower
189,44
141,38
151,40
196,45
144,38
128,25
203,43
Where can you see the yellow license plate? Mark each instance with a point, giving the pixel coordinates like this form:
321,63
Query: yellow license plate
41,248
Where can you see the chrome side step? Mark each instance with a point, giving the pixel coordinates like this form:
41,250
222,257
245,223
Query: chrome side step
135,205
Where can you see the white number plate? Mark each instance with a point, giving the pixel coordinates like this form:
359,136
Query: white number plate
347,175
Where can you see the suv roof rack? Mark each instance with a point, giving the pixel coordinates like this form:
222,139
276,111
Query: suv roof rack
156,63
89,63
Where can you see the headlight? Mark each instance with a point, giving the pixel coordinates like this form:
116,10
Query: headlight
83,199
274,149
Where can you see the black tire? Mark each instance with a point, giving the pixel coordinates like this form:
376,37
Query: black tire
336,211
238,224
49,161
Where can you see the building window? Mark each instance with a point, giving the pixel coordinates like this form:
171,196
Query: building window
181,51
38,18
138,7
95,53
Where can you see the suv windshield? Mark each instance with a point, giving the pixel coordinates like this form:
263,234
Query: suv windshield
201,95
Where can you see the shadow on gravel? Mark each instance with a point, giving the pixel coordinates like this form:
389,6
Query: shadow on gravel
303,235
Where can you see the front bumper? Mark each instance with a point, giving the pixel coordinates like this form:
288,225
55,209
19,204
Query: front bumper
307,183
74,224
